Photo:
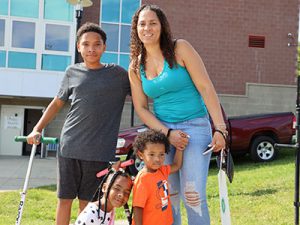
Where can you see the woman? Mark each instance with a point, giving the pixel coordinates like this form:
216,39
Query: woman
173,75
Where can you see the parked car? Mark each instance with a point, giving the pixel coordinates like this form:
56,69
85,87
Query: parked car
250,134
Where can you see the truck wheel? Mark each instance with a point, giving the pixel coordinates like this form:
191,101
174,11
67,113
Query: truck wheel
137,166
262,149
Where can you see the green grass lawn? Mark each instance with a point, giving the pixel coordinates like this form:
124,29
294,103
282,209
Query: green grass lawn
261,194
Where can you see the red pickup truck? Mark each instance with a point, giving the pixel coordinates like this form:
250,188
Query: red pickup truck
253,134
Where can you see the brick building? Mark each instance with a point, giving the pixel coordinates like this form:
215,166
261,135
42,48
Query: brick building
249,49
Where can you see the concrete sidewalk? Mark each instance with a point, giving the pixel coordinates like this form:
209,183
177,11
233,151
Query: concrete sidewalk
13,172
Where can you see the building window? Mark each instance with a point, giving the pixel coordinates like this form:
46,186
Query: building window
125,37
55,62
110,11
124,60
36,34
4,7
110,57
58,10
21,8
112,31
57,37
2,58
115,19
128,9
2,28
23,34
17,60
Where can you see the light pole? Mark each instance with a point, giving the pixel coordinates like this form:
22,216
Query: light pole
79,4
296,146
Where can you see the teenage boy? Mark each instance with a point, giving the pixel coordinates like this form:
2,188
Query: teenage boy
89,134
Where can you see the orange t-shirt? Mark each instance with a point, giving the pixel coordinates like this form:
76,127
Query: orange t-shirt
150,192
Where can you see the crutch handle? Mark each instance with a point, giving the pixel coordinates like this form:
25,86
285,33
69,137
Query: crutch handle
123,164
46,140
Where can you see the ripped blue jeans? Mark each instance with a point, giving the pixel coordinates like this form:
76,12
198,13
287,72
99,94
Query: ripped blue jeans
189,184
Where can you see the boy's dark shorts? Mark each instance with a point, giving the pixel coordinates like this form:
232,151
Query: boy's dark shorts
77,178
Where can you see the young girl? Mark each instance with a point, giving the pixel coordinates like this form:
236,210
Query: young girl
113,192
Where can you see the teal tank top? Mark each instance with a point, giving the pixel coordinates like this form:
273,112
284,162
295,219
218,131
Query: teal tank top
175,97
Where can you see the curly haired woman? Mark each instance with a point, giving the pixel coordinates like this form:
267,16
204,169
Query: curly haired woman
172,74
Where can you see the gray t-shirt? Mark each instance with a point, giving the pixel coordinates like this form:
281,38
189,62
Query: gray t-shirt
97,98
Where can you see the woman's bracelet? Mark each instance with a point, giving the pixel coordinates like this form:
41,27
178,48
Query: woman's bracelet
169,132
221,126
223,132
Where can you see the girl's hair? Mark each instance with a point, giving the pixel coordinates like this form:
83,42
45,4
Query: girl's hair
137,48
150,136
108,179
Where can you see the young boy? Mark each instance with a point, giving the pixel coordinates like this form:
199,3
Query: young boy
151,198
89,134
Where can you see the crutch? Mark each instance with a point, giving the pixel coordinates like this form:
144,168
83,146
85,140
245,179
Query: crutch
46,140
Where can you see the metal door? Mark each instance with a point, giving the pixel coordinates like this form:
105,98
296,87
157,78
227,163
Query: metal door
11,125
